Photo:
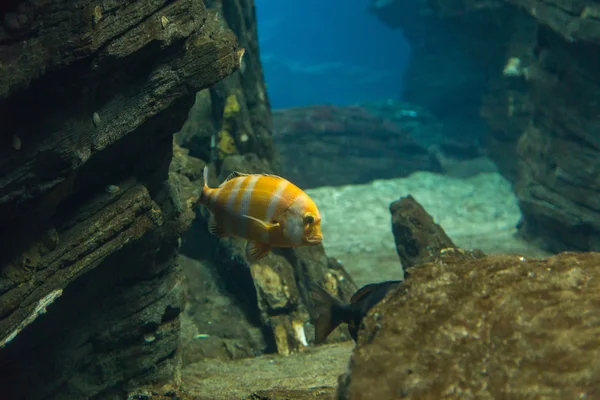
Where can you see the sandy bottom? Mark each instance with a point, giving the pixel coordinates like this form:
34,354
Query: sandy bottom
312,373
476,212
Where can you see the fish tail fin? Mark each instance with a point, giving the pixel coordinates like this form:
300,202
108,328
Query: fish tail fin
205,188
205,176
328,313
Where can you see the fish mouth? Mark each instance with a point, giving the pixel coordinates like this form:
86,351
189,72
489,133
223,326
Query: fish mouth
315,240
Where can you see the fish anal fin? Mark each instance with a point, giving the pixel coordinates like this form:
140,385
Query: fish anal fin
255,251
214,228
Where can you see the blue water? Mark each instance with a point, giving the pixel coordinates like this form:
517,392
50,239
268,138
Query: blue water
328,52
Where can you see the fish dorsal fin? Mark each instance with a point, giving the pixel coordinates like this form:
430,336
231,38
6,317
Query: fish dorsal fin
237,174
234,174
271,175
255,251
362,292
365,290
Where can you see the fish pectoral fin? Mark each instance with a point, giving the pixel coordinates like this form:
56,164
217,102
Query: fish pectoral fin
256,250
266,225
214,228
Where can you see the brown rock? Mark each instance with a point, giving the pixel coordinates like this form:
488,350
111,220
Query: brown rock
235,112
331,146
417,236
558,185
90,218
498,326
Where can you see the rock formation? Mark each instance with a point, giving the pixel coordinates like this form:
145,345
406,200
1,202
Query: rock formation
483,328
466,325
539,81
90,94
417,236
333,146
558,186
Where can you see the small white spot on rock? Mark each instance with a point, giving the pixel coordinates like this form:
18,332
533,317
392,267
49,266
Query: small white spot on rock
96,119
512,67
111,189
149,338
97,14
16,142
164,21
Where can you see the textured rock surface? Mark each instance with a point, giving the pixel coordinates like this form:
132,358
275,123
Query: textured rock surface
416,235
90,94
484,328
332,146
235,111
559,184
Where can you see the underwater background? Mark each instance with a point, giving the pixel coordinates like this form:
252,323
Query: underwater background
261,199
339,55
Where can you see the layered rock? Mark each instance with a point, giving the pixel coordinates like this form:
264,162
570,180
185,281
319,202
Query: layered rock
558,187
333,146
90,220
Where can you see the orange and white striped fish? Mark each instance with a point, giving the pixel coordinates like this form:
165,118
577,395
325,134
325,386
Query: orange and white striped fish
266,210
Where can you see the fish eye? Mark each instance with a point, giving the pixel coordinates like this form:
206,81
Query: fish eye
309,219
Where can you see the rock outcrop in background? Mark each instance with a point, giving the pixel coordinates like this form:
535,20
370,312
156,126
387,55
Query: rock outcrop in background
332,146
533,74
